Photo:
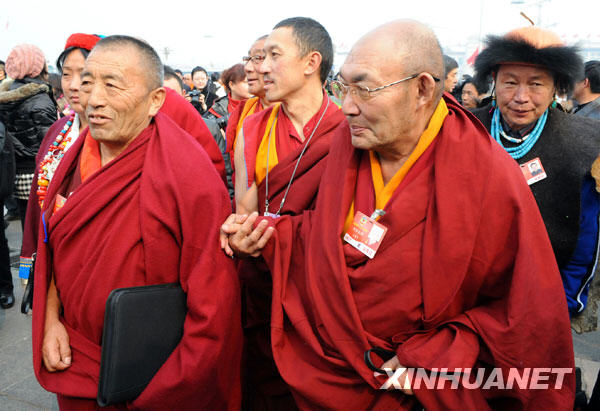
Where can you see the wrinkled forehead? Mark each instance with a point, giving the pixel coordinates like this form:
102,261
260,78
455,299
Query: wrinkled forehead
112,56
367,61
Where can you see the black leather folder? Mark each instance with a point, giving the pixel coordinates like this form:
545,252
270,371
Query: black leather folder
142,327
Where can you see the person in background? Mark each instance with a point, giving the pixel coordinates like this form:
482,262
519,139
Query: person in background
187,80
236,86
173,81
2,71
57,141
7,178
256,87
206,96
205,131
587,91
450,73
62,105
27,109
471,94
530,67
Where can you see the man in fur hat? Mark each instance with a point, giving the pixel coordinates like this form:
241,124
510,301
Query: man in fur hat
530,66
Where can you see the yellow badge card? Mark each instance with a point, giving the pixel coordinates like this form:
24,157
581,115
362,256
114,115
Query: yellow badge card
533,171
365,234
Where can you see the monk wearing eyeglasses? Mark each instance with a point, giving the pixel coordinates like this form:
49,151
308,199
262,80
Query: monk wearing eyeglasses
425,250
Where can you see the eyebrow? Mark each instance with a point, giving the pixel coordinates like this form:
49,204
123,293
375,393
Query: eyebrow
103,77
355,78
271,47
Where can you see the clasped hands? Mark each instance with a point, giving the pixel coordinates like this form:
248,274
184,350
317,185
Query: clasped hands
239,237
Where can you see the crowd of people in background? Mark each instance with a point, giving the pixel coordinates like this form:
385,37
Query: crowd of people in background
286,160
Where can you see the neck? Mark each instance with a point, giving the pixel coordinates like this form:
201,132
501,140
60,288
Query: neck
264,102
588,97
83,123
108,151
302,106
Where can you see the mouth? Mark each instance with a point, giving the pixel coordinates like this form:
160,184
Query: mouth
75,99
520,113
97,119
355,129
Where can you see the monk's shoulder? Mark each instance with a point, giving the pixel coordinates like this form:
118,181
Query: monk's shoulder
253,123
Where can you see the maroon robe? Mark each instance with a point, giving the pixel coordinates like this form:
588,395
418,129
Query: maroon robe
175,106
150,216
262,376
465,277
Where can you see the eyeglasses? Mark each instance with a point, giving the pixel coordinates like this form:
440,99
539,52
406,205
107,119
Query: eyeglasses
256,59
340,89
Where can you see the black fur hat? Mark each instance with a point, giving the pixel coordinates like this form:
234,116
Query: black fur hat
535,47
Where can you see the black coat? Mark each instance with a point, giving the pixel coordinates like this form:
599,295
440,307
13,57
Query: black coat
7,164
567,148
27,110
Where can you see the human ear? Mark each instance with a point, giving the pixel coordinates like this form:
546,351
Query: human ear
157,98
313,63
426,87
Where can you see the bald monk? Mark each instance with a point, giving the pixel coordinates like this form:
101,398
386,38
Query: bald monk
455,270
122,211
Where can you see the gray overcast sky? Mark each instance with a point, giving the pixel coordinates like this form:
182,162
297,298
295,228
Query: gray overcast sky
216,34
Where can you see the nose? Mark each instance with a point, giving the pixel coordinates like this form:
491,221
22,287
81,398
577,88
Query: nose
265,66
349,106
75,82
249,66
96,96
521,94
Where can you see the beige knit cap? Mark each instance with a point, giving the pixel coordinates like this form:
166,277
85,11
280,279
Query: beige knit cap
25,60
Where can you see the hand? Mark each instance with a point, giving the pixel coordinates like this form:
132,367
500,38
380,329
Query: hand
394,364
248,242
231,226
56,351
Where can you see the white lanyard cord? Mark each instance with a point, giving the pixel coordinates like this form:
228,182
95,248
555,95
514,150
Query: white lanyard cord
295,168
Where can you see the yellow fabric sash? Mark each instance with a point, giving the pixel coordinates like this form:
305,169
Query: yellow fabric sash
267,145
383,193
249,108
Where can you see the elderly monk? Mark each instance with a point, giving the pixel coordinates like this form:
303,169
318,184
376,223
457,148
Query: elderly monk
530,66
425,244
122,211
256,87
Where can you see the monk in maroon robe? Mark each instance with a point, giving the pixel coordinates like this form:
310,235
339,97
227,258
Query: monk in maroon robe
463,277
280,155
175,106
131,207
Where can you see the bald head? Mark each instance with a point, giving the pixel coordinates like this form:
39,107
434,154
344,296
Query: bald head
403,47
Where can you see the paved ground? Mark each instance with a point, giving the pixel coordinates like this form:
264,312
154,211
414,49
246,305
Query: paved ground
19,390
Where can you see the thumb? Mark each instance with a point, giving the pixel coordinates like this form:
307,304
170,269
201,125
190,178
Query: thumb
65,351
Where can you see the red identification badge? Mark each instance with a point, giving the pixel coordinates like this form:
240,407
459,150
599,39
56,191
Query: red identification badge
60,201
365,234
533,171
